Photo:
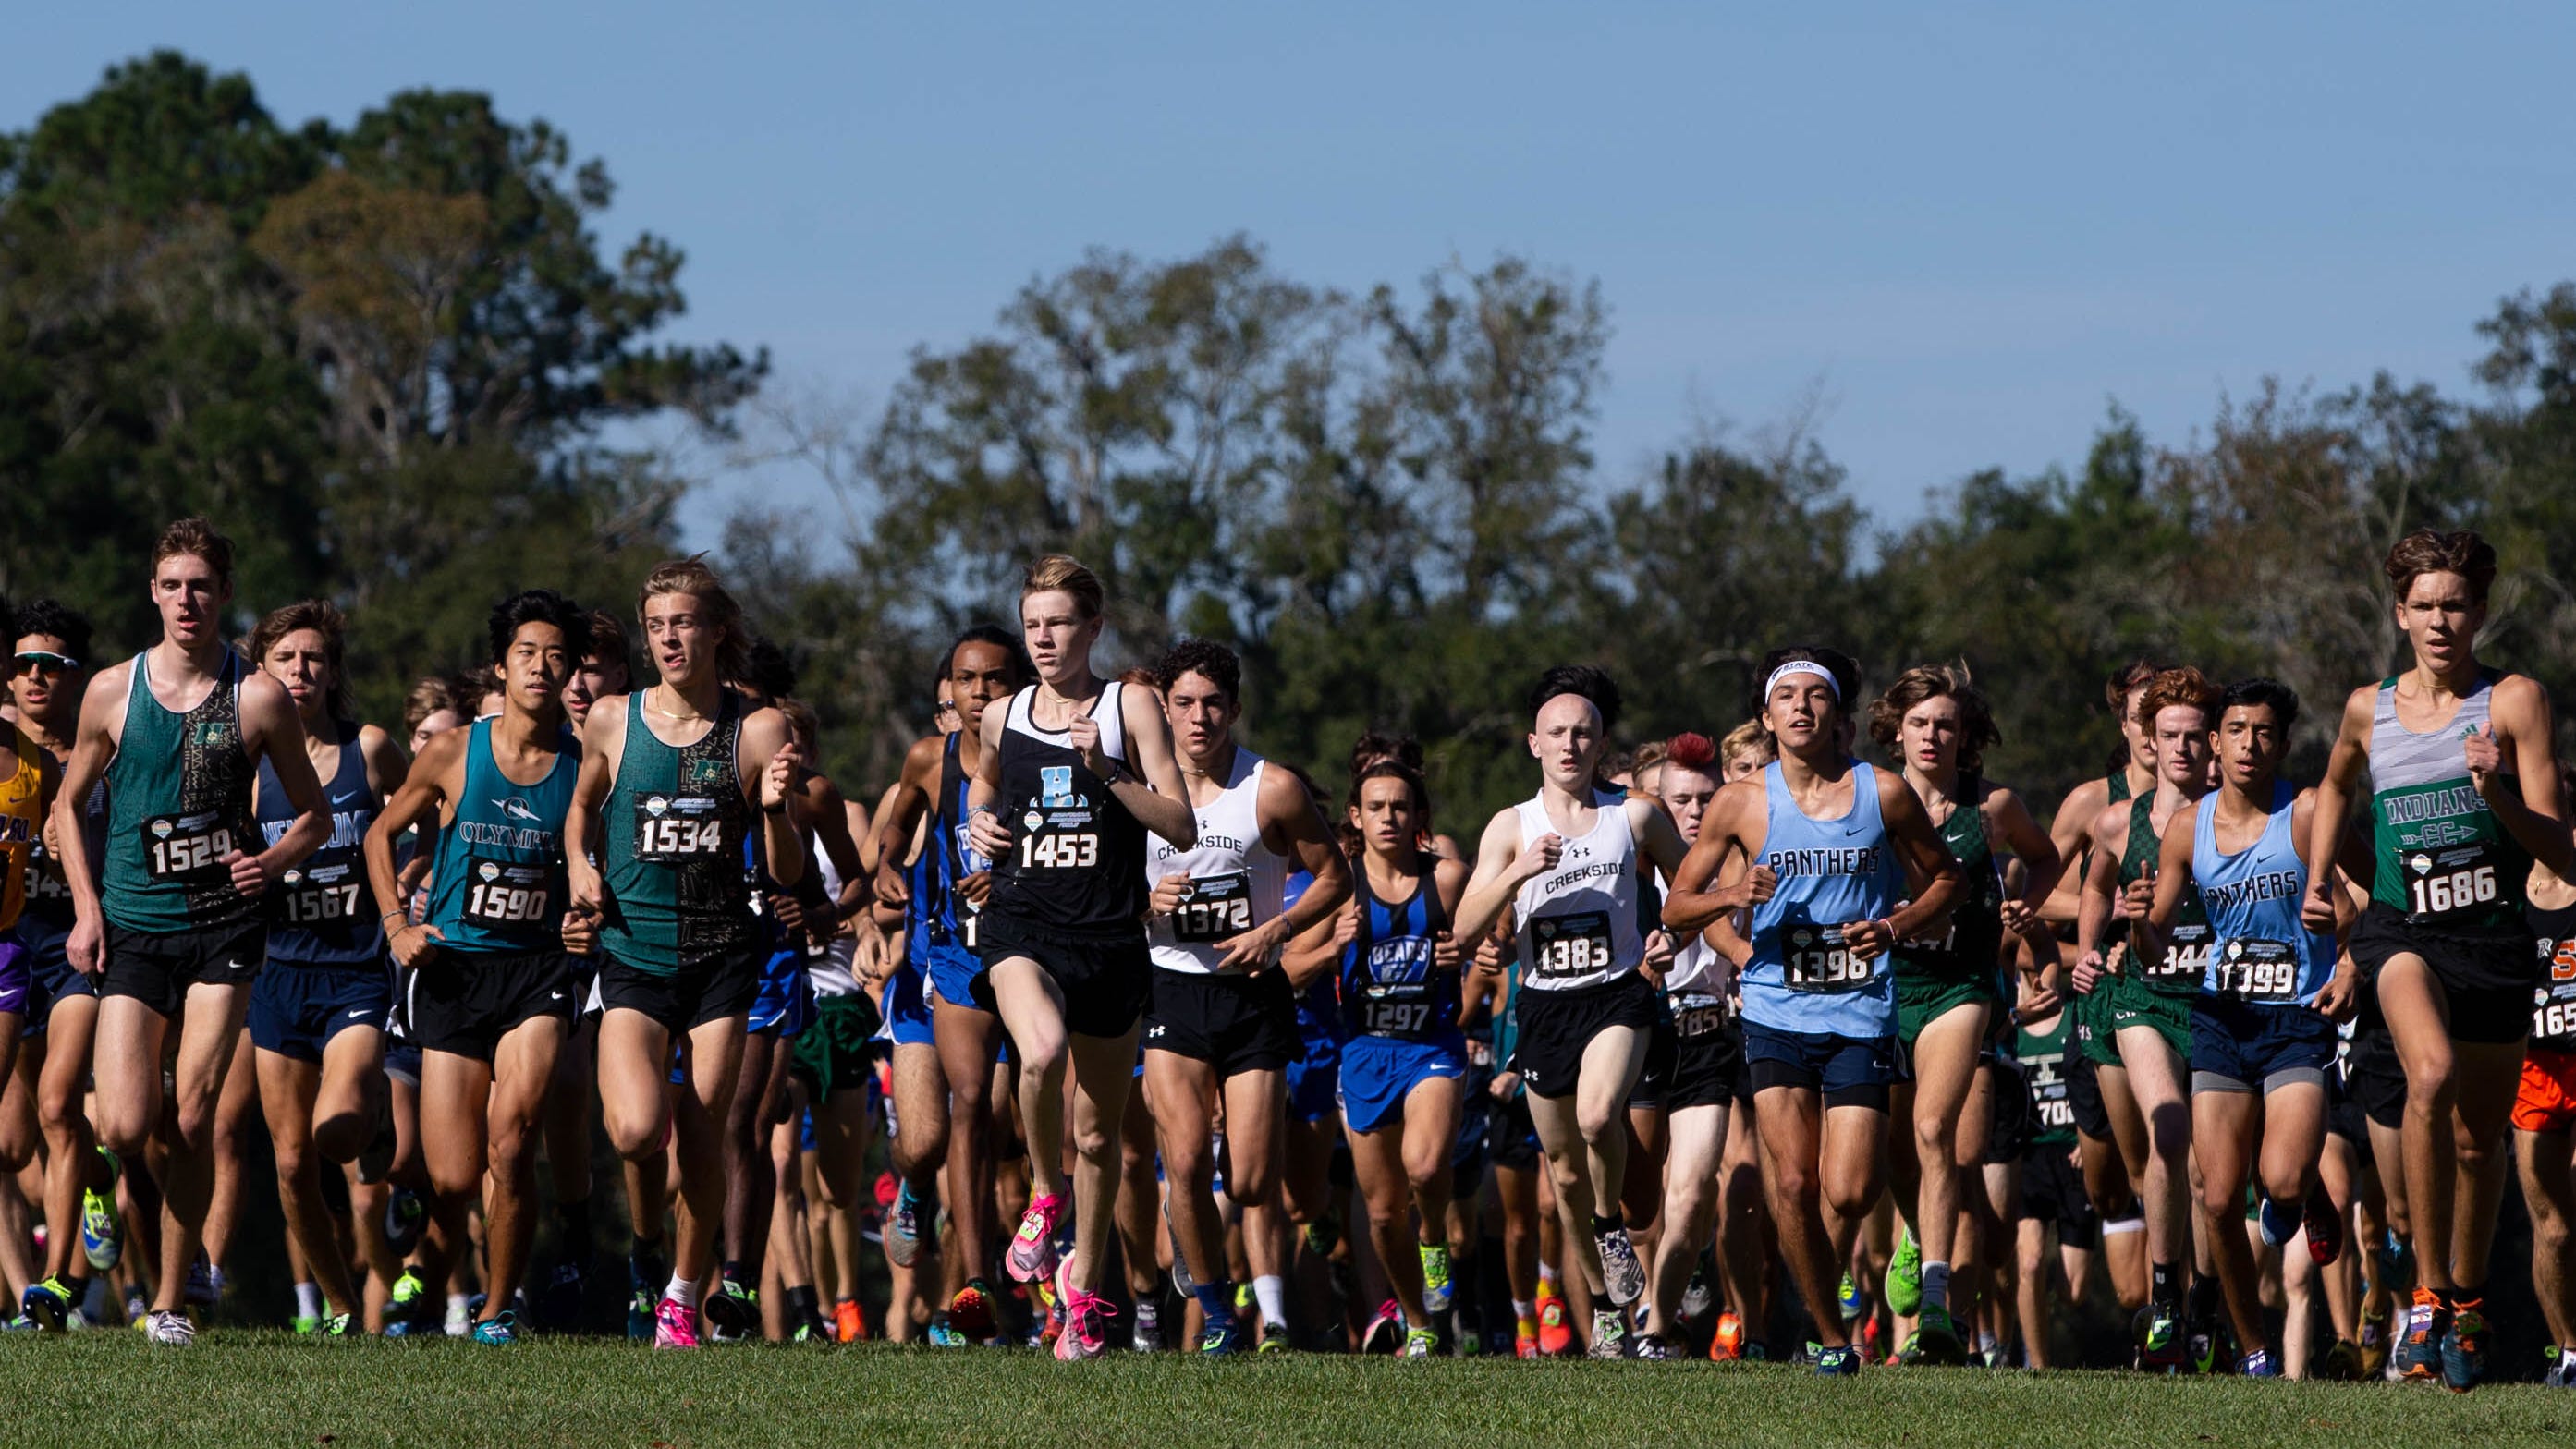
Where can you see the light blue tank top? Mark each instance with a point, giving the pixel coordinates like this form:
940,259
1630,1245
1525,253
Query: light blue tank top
1832,873
2260,952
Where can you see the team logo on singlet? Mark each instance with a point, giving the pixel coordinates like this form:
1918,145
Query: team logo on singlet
211,733
704,772
1055,786
517,809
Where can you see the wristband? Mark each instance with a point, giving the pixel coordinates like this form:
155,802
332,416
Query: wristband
403,916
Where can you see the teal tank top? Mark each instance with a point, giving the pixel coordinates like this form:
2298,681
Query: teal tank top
497,883
178,802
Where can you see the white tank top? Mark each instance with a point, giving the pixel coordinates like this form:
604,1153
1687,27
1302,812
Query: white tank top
1237,881
1697,968
1577,924
830,972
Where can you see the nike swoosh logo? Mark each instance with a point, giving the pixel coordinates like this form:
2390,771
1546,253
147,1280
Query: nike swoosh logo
350,797
554,995
353,1016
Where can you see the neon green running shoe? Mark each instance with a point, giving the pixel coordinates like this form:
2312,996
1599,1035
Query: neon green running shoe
307,1324
1904,1285
102,1228
1435,1277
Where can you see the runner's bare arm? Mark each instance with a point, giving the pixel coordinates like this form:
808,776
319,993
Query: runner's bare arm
2344,769
272,730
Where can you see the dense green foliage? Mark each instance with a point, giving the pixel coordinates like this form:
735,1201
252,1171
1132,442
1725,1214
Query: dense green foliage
387,357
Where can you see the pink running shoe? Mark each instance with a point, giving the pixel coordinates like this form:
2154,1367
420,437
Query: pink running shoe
675,1325
1032,1255
1086,1330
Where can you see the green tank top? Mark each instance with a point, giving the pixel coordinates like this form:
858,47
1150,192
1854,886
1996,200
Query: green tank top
674,849
1968,946
178,802
2187,944
2042,1056
2440,857
2115,787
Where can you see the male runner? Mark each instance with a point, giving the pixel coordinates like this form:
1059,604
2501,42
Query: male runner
2050,1187
2150,995
1084,767
2263,1028
944,1044
1568,865
492,994
1938,726
317,1014
672,780
2544,1116
46,684
1831,847
2464,782
1222,1022
168,923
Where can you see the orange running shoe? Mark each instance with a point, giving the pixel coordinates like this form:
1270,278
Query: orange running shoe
1525,1339
1555,1333
849,1322
1727,1344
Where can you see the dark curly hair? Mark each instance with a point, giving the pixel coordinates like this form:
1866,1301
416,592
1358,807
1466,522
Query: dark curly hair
1205,658
1934,681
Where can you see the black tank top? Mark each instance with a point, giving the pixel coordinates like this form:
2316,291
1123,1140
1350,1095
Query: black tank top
1076,861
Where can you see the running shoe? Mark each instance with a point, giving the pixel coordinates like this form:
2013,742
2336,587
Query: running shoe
2464,1348
49,1303
1653,1346
2258,1365
411,1309
1609,1334
1221,1338
903,1228
1385,1332
1904,1283
850,1321
646,1276
814,1329
1086,1329
560,1300
205,1284
2418,1354
2374,1344
1853,1305
405,1216
498,1331
733,1311
943,1334
1032,1258
1147,1336
1420,1343
2160,1345
1525,1340
304,1325
1841,1362
675,1324
170,1329
971,1311
1274,1339
1555,1332
2209,1347
1935,1340
2562,1369
19,1324
1435,1276
2325,1226
1627,1281
102,1227
1727,1344
2342,1363
1323,1234
1698,1296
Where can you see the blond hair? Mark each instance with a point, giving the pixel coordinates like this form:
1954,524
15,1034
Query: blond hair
692,577
1063,573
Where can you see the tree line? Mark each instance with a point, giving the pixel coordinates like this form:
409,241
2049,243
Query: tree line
389,359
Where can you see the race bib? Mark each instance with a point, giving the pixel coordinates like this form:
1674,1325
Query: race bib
186,848
2452,881
502,896
2186,957
1698,1014
317,895
1217,907
1394,1016
1060,850
1817,960
678,829
2253,970
1575,944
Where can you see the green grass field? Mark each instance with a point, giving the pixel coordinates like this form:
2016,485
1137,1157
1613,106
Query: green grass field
241,1387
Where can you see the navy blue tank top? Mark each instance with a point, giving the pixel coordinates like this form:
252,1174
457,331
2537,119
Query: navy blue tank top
324,911
1389,987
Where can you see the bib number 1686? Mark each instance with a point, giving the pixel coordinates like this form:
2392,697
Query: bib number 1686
2439,895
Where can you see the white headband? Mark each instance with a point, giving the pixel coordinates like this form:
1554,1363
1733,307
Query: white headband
1803,666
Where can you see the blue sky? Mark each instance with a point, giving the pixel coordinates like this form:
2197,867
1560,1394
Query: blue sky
1966,228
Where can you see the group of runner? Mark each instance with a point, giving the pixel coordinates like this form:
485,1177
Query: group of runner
1144,1017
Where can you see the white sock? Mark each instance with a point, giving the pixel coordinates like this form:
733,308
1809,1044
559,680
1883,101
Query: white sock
1271,1292
1547,1273
683,1291
1525,1310
1936,1285
308,1300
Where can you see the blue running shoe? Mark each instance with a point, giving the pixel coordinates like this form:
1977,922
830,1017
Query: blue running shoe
498,1331
1853,1305
1842,1362
2464,1348
2418,1354
2259,1365
49,1303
